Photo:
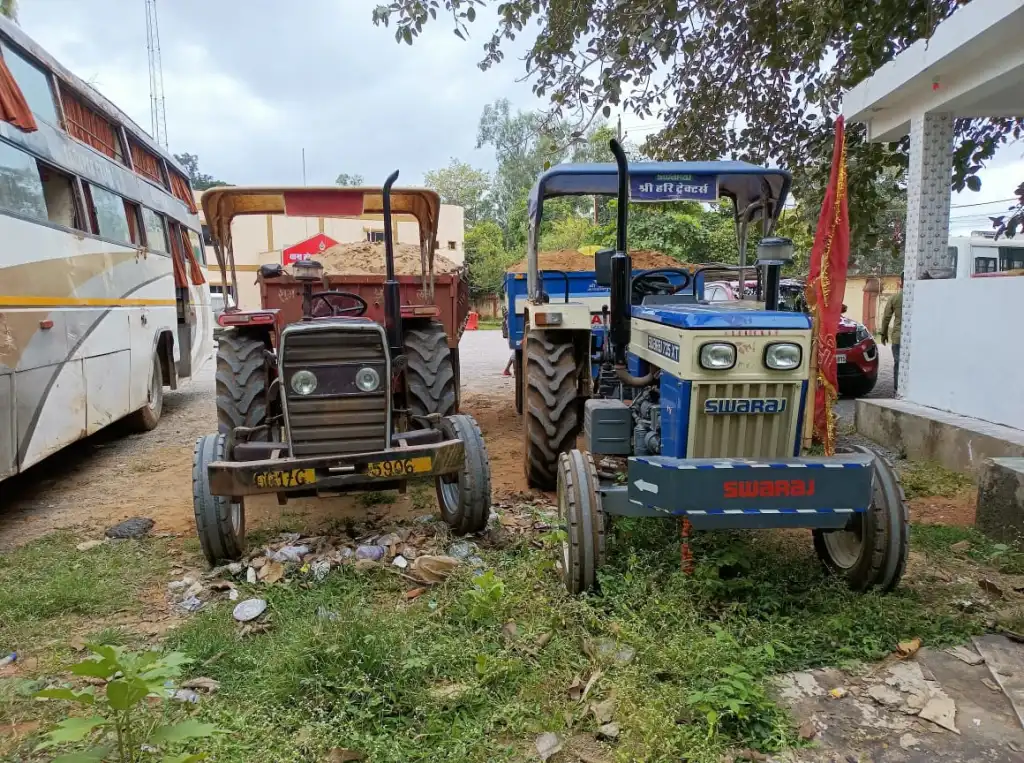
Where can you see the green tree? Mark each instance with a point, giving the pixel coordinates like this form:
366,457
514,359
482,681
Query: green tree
351,181
463,185
570,232
1009,225
200,180
486,257
755,80
9,8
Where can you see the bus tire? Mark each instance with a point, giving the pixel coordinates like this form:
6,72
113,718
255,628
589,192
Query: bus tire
242,382
430,377
148,416
551,415
220,520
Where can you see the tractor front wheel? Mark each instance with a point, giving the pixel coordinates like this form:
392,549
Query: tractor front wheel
871,553
465,496
220,521
581,516
551,414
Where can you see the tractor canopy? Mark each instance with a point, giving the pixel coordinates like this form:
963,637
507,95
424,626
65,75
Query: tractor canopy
222,205
758,193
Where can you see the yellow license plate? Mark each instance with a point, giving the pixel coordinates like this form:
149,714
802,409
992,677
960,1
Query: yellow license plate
400,467
288,478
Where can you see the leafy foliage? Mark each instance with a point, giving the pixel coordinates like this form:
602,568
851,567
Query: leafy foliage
200,180
487,257
349,181
463,185
118,729
1009,225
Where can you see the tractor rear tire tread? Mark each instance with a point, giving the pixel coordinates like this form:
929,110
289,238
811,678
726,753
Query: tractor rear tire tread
473,507
552,419
431,378
242,381
579,504
218,537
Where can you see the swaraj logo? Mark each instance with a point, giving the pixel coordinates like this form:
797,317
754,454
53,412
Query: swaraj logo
726,405
768,488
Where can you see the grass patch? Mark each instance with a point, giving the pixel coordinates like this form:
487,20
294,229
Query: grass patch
938,540
436,679
926,478
489,324
48,581
376,498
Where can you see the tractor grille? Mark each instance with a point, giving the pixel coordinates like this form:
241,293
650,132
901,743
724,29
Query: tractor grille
744,435
337,418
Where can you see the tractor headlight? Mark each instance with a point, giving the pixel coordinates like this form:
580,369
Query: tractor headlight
783,356
303,382
718,356
367,379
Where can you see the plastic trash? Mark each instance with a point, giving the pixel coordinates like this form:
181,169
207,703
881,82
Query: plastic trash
249,609
400,561
291,554
462,550
373,553
12,657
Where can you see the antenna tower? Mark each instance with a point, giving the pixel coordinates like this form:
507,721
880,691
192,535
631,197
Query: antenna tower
157,106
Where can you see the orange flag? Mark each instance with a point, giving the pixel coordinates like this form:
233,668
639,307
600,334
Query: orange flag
825,288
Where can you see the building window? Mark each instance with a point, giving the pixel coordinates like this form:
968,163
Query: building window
452,245
984,264
108,214
34,82
156,231
1010,258
375,236
21,189
207,236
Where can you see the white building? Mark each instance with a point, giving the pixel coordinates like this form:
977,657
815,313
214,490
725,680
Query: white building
961,359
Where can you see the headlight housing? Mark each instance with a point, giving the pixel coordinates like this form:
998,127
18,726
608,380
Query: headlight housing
718,356
367,379
862,334
304,382
783,356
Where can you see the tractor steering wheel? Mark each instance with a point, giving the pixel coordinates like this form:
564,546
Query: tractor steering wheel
333,310
658,272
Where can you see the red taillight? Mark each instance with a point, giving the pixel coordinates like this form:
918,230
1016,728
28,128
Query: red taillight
244,319
419,311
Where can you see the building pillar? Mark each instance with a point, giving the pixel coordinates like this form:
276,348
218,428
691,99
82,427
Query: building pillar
928,198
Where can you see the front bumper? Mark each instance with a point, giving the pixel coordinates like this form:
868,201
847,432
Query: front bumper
330,473
717,494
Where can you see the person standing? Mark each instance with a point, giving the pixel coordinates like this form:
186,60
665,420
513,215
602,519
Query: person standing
894,314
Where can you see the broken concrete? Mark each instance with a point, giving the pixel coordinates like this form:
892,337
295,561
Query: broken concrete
1000,513
922,433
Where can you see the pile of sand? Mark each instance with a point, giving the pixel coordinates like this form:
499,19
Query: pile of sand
570,260
365,258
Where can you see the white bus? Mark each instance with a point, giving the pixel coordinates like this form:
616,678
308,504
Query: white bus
104,298
981,254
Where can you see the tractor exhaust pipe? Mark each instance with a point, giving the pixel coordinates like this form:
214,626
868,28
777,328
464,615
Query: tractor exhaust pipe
621,266
392,300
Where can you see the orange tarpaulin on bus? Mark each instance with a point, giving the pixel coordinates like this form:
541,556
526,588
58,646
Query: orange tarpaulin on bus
13,107
193,264
88,126
146,163
179,187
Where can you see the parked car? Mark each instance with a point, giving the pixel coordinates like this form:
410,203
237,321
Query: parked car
856,358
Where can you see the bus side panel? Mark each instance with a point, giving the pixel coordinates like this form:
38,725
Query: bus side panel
50,415
146,327
202,337
8,431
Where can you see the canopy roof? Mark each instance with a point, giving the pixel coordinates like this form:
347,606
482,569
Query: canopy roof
744,183
222,205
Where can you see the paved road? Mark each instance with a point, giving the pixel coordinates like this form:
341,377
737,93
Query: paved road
483,355
846,406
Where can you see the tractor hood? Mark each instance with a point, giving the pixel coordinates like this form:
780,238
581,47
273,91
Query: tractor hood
721,315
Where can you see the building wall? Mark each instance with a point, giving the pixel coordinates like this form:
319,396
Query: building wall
966,357
856,304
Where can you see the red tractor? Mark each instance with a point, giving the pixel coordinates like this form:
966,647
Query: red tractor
355,390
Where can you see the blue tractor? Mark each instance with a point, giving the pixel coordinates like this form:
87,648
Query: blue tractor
707,416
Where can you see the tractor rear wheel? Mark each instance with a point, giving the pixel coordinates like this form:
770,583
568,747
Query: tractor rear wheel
465,496
552,420
871,553
242,382
582,518
220,521
517,373
431,378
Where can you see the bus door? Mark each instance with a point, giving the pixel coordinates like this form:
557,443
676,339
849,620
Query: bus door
186,308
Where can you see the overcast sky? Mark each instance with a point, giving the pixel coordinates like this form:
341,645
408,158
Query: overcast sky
251,83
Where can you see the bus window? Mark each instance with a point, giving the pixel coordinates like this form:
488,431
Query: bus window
109,215
156,231
131,211
21,190
1011,258
984,264
62,206
197,247
34,83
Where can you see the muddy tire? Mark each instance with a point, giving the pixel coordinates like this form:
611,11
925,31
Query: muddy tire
551,414
517,372
242,382
582,518
148,416
465,496
871,553
220,520
431,379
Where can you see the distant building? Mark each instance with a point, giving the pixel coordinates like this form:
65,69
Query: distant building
260,239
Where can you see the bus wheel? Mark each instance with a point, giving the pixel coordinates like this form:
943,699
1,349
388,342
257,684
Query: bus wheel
148,416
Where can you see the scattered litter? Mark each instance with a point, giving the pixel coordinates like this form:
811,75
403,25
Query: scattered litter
990,588
607,650
906,649
258,563
608,732
362,565
249,609
976,721
325,614
940,710
964,654
177,585
603,711
190,604
233,594
250,575
966,605
12,657
271,573
186,695
462,550
548,744
838,693
207,685
220,585
415,593
391,539
433,569
292,554
89,545
807,731
575,690
400,561
373,553
136,527
194,590
963,545
424,519
320,570
909,741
